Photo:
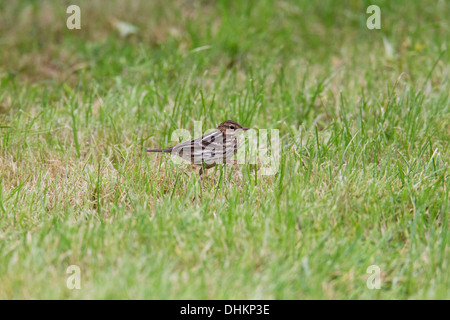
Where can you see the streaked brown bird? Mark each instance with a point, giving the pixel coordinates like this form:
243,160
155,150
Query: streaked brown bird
216,147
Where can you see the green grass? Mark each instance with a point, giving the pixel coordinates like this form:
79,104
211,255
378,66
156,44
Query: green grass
363,179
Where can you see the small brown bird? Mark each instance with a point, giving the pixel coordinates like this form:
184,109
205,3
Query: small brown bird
216,147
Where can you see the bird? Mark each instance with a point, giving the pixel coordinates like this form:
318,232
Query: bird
216,147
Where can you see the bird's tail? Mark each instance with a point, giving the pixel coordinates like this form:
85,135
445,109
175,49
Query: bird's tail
160,150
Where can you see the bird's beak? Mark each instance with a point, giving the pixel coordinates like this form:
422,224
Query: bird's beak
244,128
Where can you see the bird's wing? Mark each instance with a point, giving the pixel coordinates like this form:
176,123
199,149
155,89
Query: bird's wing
211,148
216,148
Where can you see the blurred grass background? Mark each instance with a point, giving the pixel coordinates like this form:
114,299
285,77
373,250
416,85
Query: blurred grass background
364,120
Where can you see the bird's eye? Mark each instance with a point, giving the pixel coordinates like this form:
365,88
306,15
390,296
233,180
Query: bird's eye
232,127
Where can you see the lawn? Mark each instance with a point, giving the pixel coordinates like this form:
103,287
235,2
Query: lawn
363,117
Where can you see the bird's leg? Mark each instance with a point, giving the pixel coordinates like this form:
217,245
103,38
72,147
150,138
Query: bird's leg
200,174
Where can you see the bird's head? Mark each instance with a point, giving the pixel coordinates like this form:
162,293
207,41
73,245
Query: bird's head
230,126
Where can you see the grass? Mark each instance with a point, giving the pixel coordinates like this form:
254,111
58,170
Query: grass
363,179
